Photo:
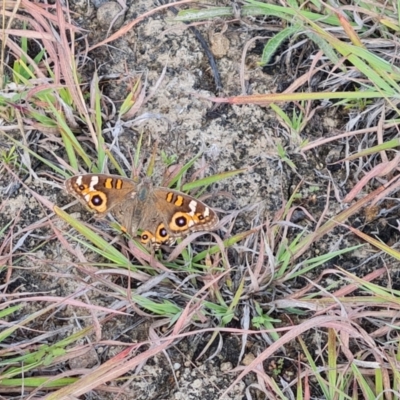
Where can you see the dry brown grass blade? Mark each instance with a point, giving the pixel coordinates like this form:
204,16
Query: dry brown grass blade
376,243
64,243
144,258
324,140
243,61
339,219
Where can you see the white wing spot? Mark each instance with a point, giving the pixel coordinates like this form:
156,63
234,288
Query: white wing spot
191,223
192,206
93,181
79,180
87,197
207,212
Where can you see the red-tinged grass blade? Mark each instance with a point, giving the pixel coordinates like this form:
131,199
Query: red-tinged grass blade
294,333
212,179
383,169
67,61
115,367
351,33
376,243
25,33
102,246
127,28
41,13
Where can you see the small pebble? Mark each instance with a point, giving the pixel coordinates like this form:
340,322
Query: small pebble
107,12
248,359
226,366
197,383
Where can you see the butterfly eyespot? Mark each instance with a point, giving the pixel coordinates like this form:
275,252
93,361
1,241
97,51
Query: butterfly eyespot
145,237
200,217
81,187
97,200
181,221
162,232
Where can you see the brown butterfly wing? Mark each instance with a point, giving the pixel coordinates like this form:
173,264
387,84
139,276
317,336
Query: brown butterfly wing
101,193
174,214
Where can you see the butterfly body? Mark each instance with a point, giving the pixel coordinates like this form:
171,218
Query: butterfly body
162,214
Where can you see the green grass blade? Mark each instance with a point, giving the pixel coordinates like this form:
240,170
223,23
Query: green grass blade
43,160
102,246
275,42
211,179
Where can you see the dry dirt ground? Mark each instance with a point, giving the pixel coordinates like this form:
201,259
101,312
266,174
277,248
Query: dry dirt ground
183,123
